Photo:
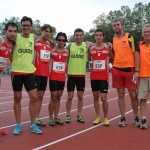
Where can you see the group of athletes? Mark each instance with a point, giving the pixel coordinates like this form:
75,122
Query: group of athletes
37,59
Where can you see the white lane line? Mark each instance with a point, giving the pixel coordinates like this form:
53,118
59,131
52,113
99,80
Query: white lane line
43,104
28,98
25,93
44,96
59,113
77,133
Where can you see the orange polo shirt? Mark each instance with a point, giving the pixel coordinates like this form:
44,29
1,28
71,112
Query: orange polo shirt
123,54
144,60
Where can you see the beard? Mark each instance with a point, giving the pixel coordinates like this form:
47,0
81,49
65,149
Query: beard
10,39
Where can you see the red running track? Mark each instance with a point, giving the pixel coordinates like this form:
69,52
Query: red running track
73,136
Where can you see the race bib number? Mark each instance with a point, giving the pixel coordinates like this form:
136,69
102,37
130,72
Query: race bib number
99,65
2,63
45,56
59,67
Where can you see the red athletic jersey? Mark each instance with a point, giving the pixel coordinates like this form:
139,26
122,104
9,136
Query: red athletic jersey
5,51
99,68
42,58
58,67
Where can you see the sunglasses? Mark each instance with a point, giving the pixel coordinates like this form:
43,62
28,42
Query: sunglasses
59,40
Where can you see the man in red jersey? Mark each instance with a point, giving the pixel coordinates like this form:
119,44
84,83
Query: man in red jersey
42,58
99,54
6,47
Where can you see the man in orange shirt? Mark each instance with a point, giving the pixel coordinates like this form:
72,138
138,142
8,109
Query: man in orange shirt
125,69
144,73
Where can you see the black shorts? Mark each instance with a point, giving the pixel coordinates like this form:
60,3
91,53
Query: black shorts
41,83
56,85
27,80
78,82
99,85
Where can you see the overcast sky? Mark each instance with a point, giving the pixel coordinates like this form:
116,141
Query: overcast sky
65,15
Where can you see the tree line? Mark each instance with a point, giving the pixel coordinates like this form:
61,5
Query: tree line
36,28
133,19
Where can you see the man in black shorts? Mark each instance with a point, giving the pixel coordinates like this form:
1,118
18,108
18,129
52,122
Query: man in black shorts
76,72
23,74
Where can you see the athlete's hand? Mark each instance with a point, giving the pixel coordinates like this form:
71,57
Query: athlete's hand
136,76
52,43
109,45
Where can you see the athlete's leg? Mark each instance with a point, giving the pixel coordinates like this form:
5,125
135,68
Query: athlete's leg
121,100
33,105
69,101
17,83
80,91
134,102
104,104
143,107
40,95
96,103
17,105
80,101
57,103
70,88
52,103
31,88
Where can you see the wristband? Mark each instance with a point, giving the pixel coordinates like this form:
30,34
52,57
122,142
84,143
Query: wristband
136,71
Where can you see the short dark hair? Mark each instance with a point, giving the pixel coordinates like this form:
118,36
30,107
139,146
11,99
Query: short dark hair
78,30
100,30
118,19
10,24
61,34
25,18
45,26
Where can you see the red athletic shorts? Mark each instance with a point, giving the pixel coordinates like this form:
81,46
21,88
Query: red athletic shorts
121,79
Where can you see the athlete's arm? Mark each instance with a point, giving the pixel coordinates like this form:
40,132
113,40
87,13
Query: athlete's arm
68,49
0,42
137,62
135,49
89,44
52,43
89,52
109,45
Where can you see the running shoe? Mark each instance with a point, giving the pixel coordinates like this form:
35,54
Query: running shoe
17,129
58,121
3,132
122,122
34,128
40,123
97,121
80,119
68,119
106,122
136,121
143,124
51,122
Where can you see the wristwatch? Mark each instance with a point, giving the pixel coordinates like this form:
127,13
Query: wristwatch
136,71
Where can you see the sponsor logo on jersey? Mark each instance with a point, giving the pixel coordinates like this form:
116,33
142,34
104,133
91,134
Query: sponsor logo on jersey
81,50
30,43
77,56
20,50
